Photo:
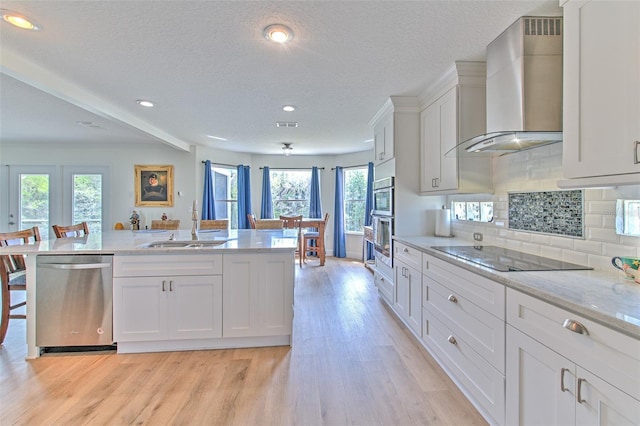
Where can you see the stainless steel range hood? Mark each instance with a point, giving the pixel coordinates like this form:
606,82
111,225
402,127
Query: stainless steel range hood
524,88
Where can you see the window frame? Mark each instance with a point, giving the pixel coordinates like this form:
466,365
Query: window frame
306,200
365,171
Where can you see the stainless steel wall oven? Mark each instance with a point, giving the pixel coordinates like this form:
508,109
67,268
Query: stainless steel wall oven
382,219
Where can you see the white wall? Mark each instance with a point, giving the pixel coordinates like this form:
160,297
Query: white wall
188,176
539,169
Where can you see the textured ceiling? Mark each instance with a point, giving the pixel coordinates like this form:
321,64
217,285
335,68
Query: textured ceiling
211,72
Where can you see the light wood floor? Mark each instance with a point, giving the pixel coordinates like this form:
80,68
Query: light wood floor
351,363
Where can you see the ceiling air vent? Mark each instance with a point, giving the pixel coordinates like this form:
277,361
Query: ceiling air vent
286,124
543,26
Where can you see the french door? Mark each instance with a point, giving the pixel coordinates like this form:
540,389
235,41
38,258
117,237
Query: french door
45,195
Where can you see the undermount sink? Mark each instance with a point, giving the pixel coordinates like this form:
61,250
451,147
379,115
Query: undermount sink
183,244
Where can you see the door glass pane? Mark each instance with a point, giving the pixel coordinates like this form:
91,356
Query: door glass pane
87,200
34,203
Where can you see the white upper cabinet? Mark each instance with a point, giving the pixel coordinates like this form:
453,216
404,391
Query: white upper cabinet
601,92
455,112
383,139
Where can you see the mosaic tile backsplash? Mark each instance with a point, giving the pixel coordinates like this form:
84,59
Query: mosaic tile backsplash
549,212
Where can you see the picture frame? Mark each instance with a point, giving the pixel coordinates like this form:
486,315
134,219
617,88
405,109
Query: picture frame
153,185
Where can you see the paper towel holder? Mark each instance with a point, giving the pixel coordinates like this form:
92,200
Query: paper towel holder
443,223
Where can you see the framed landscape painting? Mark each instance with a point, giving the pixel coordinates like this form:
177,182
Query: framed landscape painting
153,186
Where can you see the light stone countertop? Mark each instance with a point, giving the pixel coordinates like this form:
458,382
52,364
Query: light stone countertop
605,297
132,242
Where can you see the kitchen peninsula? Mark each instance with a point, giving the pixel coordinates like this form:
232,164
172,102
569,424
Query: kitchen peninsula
173,292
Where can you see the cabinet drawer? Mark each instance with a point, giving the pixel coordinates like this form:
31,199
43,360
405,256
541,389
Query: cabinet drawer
482,331
385,287
486,294
167,265
611,355
483,382
409,255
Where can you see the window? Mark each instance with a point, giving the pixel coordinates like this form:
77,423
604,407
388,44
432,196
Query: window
87,200
290,192
34,203
45,195
473,211
355,195
225,190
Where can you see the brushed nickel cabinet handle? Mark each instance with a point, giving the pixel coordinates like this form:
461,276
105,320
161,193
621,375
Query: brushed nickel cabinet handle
452,340
636,153
562,371
452,298
163,284
575,326
579,394
171,285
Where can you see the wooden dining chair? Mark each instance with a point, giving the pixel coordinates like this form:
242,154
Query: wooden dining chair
269,224
165,224
252,220
294,222
214,224
317,237
77,230
13,274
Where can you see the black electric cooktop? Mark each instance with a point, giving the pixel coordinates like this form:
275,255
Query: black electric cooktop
505,260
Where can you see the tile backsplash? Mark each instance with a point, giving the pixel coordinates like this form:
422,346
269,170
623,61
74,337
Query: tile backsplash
548,212
538,170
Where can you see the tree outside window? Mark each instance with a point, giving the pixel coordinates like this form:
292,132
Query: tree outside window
290,192
355,194
87,201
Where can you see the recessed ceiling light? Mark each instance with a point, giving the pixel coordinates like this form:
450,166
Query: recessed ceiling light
216,137
289,108
278,33
19,20
144,103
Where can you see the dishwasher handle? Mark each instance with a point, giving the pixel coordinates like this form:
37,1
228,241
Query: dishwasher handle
75,265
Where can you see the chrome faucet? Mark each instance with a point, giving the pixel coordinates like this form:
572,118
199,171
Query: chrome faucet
172,237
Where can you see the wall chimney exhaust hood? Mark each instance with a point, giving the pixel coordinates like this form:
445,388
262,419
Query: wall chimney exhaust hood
524,88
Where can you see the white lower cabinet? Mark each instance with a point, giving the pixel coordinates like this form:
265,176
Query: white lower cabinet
185,302
161,297
463,327
171,307
408,304
258,294
547,377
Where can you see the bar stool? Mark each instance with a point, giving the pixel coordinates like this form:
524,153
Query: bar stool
13,274
165,224
214,224
77,230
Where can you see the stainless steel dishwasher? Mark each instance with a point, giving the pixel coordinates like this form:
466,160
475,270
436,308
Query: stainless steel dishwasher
74,300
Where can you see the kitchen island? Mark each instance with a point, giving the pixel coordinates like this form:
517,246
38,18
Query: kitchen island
168,286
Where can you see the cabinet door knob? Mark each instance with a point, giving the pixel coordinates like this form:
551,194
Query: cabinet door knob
452,298
452,340
579,393
562,371
405,250
575,326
